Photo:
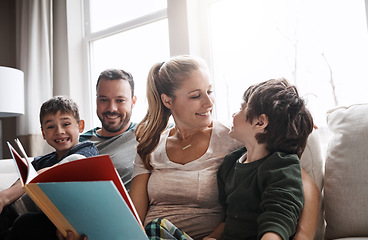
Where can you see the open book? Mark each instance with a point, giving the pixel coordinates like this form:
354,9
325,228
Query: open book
85,196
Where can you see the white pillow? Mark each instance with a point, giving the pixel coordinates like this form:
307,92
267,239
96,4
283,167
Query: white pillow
346,181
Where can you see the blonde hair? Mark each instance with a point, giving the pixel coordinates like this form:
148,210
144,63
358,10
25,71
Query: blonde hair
163,78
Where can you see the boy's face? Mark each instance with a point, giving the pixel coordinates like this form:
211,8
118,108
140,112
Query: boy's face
241,128
61,131
245,130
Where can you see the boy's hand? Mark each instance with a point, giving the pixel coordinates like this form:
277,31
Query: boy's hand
43,170
2,203
69,236
271,236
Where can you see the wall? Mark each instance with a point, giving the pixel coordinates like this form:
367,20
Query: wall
366,11
8,59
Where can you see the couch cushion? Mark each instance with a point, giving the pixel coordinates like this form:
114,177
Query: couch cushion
346,182
8,173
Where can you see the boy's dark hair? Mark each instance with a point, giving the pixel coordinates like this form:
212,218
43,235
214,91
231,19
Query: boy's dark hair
113,74
59,103
289,121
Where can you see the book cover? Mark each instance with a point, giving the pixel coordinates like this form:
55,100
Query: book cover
85,196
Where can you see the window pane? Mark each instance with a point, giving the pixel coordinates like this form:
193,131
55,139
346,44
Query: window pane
308,42
134,51
108,13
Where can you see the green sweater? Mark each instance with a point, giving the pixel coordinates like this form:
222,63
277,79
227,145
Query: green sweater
262,196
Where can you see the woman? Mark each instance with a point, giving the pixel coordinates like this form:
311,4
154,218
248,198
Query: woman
175,169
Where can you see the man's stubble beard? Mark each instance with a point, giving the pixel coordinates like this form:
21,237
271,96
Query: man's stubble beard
116,128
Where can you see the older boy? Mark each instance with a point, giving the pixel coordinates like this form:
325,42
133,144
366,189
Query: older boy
60,126
260,186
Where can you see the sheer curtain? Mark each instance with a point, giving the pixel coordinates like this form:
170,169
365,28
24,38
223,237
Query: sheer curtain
34,58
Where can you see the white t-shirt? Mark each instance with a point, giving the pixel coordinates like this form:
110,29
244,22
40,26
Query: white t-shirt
187,195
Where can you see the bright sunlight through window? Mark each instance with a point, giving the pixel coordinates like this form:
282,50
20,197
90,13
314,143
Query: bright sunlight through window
321,46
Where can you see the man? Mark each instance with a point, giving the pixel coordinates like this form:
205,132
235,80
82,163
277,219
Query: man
115,101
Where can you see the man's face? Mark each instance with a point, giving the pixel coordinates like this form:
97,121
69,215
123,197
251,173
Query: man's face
114,106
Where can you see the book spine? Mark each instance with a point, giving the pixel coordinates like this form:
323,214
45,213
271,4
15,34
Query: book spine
44,203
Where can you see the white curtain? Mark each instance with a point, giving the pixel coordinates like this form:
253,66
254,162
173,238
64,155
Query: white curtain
34,58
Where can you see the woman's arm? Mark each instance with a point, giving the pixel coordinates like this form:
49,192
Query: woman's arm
307,224
139,195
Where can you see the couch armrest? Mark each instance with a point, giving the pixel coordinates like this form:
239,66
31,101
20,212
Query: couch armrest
8,173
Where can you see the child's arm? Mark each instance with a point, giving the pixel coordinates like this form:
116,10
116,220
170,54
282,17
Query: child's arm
9,195
282,196
217,233
69,158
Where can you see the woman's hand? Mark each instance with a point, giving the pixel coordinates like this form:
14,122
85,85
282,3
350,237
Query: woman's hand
69,236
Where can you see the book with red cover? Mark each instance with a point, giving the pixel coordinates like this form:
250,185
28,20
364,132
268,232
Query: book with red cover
85,196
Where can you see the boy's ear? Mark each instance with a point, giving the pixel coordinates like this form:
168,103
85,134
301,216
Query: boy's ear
261,121
43,134
166,100
81,126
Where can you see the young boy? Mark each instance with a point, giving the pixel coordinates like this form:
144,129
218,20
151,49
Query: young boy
60,126
260,185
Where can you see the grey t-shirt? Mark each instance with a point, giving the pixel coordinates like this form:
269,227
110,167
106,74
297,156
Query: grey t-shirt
121,149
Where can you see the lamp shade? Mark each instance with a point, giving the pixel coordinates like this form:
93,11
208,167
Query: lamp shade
11,92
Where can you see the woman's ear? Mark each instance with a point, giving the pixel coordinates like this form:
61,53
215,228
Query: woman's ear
166,100
261,121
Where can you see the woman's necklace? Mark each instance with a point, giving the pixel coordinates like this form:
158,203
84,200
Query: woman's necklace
187,146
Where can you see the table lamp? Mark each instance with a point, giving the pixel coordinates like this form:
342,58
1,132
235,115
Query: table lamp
11,95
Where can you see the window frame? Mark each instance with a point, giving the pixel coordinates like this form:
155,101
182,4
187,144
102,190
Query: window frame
186,36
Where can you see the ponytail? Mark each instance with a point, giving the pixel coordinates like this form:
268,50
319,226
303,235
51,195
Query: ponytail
149,130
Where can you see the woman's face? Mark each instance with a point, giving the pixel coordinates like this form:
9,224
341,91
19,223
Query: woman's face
193,103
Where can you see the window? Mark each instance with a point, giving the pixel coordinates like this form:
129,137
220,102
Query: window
320,46
108,13
125,35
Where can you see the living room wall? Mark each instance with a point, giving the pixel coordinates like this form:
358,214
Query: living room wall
7,59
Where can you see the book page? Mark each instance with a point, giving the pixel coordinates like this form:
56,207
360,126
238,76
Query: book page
20,164
32,173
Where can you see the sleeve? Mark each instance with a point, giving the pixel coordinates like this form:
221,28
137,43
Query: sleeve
86,136
72,157
139,167
282,198
87,149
